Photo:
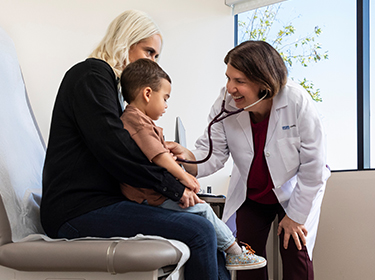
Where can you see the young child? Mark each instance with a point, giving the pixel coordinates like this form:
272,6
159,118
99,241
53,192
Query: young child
146,88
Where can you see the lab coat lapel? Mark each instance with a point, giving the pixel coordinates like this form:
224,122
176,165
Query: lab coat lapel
279,101
243,120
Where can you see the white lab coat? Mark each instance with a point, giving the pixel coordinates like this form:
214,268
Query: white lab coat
294,151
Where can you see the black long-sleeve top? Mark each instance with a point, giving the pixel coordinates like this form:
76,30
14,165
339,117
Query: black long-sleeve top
89,152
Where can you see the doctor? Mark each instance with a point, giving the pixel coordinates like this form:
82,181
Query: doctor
278,149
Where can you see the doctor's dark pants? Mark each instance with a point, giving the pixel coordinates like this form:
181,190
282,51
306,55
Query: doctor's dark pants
254,222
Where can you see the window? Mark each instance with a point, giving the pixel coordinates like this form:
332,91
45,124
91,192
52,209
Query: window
335,77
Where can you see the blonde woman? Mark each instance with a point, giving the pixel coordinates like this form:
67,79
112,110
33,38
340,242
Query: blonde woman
89,153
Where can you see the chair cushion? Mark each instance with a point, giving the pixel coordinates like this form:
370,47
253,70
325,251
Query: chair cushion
114,256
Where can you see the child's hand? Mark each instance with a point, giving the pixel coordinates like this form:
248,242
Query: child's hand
191,182
189,199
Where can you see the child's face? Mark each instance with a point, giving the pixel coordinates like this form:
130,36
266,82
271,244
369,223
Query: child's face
158,101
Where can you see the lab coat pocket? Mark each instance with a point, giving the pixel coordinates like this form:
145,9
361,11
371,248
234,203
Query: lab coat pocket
289,150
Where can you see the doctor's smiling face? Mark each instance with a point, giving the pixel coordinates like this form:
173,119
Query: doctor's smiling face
243,91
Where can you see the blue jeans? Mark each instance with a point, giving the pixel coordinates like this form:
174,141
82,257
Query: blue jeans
224,235
127,219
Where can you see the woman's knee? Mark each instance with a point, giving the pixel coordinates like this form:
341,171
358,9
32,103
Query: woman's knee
201,230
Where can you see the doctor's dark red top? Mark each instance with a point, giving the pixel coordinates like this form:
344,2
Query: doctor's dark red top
259,182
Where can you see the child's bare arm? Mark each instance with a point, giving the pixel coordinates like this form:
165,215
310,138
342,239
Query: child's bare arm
166,160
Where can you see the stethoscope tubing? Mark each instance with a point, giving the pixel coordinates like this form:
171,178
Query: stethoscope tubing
219,117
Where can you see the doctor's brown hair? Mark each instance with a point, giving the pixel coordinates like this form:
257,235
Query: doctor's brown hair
261,64
140,74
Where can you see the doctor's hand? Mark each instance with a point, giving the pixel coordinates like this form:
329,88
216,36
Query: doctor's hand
189,198
177,150
292,229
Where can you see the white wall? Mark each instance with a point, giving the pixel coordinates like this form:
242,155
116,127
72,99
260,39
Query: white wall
51,36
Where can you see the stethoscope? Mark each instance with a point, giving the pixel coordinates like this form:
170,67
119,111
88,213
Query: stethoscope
223,114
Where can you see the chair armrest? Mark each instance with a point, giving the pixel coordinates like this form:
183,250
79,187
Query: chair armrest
114,256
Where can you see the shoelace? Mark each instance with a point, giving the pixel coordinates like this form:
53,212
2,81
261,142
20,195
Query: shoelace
248,248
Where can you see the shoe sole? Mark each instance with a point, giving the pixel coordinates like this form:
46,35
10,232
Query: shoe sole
246,267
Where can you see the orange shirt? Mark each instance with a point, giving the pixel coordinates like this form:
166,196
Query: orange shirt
150,140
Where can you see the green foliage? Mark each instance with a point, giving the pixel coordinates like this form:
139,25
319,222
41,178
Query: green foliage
302,50
310,88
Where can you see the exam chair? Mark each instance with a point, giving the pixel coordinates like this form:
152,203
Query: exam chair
25,252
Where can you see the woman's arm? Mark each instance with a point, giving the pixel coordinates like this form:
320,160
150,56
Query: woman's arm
311,175
96,113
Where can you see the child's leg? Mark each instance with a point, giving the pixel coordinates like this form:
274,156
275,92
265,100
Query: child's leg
225,238
236,258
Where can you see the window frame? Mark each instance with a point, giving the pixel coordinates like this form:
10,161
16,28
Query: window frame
363,84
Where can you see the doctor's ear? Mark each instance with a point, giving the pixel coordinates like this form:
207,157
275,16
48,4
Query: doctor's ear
263,93
146,93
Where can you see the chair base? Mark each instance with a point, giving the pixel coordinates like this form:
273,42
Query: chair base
11,274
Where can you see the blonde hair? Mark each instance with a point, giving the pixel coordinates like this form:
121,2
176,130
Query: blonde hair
125,30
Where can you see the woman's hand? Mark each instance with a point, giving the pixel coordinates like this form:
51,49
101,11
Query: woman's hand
291,228
191,182
189,198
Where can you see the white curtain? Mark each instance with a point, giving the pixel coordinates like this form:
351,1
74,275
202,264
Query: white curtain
240,6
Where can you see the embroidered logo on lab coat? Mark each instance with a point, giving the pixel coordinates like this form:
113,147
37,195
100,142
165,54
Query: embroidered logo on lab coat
286,127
